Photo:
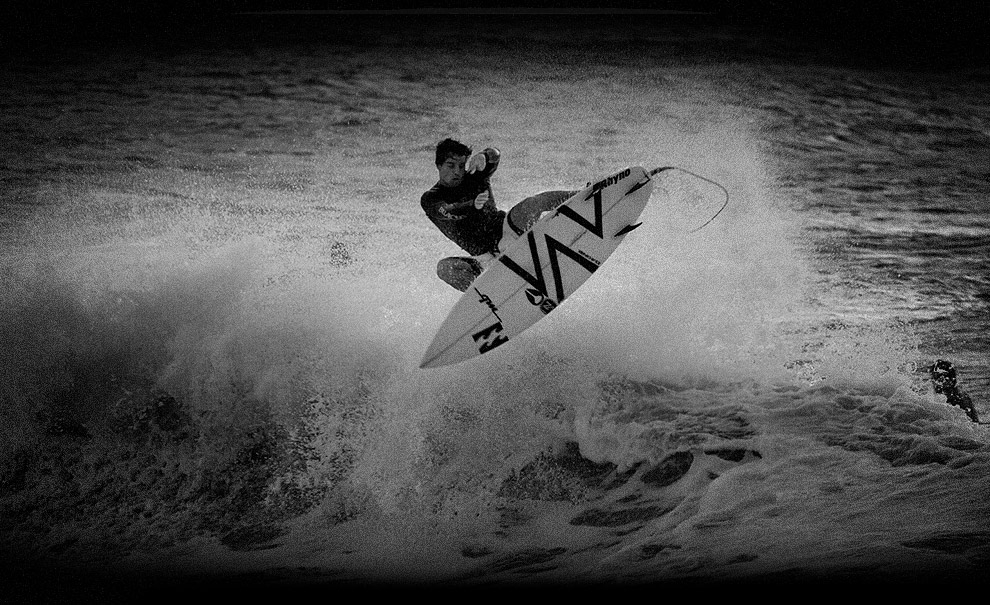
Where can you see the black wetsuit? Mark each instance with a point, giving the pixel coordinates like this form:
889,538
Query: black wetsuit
943,375
477,231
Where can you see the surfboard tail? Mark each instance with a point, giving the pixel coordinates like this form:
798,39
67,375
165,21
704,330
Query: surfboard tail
716,211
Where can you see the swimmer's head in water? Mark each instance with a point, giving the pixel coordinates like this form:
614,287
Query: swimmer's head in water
943,376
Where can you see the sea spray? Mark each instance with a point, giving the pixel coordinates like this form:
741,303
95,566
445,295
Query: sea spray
189,397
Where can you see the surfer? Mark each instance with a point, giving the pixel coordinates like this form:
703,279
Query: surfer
943,375
462,206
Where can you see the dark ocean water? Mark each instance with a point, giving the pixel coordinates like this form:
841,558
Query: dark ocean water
217,285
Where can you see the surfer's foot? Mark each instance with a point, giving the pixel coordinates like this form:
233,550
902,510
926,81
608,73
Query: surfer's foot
459,271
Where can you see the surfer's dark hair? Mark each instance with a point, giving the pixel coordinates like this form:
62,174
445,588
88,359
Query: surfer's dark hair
449,147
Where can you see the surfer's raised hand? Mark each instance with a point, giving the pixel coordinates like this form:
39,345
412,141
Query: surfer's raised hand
475,163
481,200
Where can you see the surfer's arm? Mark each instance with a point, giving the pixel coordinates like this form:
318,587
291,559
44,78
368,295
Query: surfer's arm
492,157
456,210
484,163
966,404
439,210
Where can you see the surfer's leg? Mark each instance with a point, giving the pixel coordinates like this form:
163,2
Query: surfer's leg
460,271
509,235
523,215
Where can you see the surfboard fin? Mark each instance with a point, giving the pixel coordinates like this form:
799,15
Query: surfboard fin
637,186
626,229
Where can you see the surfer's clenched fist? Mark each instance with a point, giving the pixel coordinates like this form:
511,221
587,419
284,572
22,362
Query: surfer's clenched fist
475,163
481,200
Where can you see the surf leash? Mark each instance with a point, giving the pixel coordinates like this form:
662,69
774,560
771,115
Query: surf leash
660,169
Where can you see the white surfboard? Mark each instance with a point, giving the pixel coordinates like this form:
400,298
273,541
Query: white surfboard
538,271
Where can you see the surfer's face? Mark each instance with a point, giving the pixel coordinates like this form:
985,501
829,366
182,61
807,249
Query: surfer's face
452,170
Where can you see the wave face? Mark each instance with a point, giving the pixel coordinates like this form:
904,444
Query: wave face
218,284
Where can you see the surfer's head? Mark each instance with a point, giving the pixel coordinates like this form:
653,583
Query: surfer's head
451,156
943,376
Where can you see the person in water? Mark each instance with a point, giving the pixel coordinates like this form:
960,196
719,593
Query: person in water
943,376
462,205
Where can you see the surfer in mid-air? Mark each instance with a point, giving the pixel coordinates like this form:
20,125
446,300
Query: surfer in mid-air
462,206
943,376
